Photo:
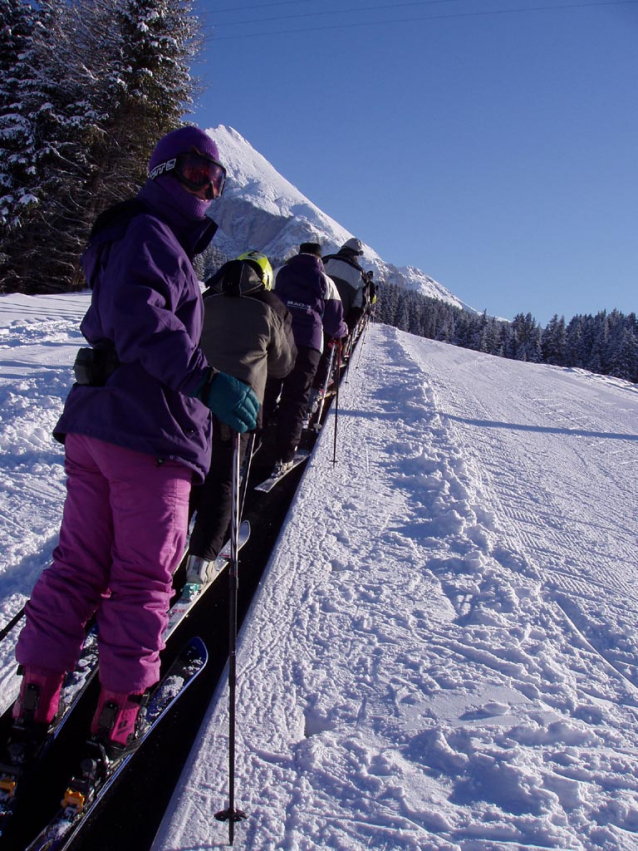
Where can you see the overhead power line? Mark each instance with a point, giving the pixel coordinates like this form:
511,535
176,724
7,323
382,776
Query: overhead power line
334,11
260,6
360,24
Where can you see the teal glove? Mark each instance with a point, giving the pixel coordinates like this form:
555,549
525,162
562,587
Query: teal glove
232,401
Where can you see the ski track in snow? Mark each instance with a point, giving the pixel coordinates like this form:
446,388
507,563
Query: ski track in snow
442,653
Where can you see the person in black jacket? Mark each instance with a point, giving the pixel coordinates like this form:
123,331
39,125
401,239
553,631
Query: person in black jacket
369,292
248,330
345,270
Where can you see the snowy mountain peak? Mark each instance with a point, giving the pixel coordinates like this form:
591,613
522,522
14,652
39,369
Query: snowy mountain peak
252,177
260,209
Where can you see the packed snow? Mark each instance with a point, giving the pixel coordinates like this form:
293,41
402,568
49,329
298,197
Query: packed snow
443,652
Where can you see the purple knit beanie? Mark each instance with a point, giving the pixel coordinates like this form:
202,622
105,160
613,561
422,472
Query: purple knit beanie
181,141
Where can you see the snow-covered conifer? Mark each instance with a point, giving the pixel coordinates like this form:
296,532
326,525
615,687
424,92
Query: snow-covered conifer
97,82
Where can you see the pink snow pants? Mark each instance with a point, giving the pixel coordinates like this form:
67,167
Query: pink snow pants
123,533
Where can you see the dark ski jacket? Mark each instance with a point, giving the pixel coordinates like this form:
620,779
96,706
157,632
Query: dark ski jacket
147,305
247,330
313,300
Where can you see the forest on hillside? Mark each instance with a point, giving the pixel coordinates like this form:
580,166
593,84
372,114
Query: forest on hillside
606,343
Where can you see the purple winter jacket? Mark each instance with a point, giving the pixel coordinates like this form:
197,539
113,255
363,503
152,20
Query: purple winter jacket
312,299
147,302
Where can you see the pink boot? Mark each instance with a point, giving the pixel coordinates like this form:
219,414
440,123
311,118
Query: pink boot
115,719
39,698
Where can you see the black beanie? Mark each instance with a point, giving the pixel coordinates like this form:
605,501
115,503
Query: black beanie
310,248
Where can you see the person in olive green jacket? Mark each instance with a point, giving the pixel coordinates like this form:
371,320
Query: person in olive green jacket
247,333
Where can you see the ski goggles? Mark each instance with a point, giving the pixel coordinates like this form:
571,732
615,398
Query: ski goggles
195,171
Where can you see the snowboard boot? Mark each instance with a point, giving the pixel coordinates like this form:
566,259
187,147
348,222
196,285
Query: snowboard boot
116,723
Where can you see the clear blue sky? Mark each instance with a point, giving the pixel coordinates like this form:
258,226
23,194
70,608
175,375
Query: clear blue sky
496,150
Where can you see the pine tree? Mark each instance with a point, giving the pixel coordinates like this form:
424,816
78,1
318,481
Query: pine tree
621,358
597,337
101,82
402,319
149,45
16,30
529,339
57,122
554,341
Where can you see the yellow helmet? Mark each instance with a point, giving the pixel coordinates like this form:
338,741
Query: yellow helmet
261,265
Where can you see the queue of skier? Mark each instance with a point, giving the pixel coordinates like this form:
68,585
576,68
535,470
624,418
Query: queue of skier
169,377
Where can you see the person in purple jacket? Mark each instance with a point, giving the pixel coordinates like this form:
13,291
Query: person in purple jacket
136,428
314,302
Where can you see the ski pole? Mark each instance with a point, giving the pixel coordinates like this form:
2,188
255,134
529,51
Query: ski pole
244,484
360,345
353,343
6,629
232,815
337,383
348,350
322,400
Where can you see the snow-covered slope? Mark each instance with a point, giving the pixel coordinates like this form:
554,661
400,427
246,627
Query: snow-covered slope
260,209
444,652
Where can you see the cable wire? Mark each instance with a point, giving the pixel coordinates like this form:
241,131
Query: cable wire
334,11
250,8
360,24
